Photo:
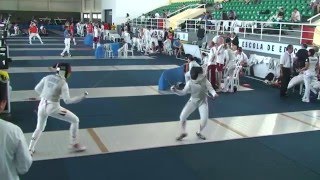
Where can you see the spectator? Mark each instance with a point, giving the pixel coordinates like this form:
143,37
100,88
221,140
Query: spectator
165,34
315,5
143,17
301,56
280,14
224,16
228,39
218,6
200,34
241,57
232,15
234,40
15,157
127,17
295,16
16,29
113,26
285,70
157,15
177,46
203,17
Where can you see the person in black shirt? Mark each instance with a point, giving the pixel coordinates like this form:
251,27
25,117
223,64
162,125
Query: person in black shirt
228,39
200,35
280,14
165,34
301,56
234,40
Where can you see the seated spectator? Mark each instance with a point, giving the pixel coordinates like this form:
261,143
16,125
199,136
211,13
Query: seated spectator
16,29
113,26
43,30
177,46
241,57
167,48
157,15
232,15
315,5
280,14
203,16
218,6
295,16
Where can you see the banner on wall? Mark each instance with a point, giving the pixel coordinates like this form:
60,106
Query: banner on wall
265,47
181,35
192,50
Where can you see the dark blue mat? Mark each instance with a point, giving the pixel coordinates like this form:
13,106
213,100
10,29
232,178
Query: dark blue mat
95,62
242,159
51,53
27,81
299,147
147,109
37,46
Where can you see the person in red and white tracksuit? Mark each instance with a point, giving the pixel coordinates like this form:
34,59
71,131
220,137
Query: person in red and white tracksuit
71,29
34,32
89,28
221,55
96,36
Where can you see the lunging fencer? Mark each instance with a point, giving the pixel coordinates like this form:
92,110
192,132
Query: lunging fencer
51,88
199,87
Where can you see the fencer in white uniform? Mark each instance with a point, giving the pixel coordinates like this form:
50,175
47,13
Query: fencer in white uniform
199,87
191,63
309,74
51,89
67,40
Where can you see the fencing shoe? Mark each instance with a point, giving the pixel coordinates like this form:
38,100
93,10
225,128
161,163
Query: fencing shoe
183,135
77,147
306,100
201,136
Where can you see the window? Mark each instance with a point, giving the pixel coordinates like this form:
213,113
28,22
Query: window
86,16
99,16
94,16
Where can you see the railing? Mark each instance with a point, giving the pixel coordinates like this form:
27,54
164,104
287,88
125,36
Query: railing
300,32
313,17
185,8
157,23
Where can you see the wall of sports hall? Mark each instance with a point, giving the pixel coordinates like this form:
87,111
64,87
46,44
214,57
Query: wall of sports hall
135,8
25,9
